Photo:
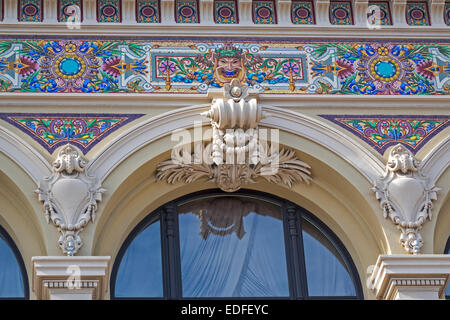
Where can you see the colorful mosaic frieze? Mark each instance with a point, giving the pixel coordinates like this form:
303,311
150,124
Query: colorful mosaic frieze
302,12
30,10
187,11
57,129
447,13
226,12
379,13
70,10
281,67
109,11
417,13
264,12
341,12
381,131
148,11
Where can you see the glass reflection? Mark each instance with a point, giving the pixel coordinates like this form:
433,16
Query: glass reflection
232,247
140,271
326,272
11,281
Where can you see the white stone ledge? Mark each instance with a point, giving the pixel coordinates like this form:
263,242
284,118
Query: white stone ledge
237,31
148,100
398,277
54,275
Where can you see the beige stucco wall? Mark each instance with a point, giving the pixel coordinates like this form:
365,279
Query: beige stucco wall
339,195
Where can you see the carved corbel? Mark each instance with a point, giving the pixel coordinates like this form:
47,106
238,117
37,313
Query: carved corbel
399,13
236,156
70,198
405,196
322,8
436,9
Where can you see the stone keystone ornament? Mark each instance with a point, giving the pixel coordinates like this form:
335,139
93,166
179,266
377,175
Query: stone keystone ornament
236,156
405,196
70,198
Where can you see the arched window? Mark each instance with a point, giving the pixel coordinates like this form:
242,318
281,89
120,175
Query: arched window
13,277
233,245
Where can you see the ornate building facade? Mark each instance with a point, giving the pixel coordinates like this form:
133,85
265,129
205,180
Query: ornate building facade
206,148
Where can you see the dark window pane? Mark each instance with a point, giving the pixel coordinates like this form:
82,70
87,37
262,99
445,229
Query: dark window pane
140,271
447,291
11,281
326,272
232,247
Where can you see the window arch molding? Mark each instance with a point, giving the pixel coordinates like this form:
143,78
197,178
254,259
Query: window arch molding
11,244
447,251
294,245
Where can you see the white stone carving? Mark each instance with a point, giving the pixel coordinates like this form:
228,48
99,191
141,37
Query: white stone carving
70,198
406,277
70,278
281,167
236,156
405,196
235,125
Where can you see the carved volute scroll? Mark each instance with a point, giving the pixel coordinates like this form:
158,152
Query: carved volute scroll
70,198
236,157
405,196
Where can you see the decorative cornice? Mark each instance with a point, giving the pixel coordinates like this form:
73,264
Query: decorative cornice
207,25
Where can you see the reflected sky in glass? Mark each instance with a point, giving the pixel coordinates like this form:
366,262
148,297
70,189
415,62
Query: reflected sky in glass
11,281
140,271
249,261
325,271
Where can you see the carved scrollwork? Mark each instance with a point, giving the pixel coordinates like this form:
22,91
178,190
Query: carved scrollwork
236,156
70,198
406,196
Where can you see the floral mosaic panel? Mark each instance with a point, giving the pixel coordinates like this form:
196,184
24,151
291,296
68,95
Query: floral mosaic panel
379,13
70,10
109,11
187,11
148,11
302,12
341,12
30,10
226,12
417,13
381,131
57,129
264,12
177,66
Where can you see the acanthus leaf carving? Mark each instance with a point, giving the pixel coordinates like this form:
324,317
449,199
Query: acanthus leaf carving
70,198
406,196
